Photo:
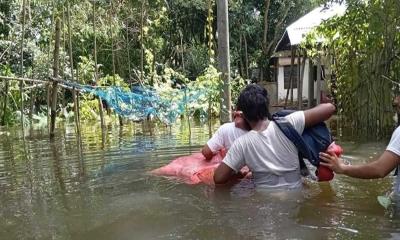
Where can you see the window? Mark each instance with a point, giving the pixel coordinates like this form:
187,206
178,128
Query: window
314,73
286,75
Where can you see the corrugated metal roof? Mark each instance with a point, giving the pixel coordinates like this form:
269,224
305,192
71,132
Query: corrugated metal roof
296,31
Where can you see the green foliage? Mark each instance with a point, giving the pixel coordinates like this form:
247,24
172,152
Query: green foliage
364,45
179,37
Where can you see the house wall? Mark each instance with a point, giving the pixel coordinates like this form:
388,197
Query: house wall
272,91
285,61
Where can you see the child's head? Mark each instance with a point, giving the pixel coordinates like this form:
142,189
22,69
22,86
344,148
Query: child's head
254,103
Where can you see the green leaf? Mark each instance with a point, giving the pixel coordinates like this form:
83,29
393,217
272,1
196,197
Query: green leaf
384,201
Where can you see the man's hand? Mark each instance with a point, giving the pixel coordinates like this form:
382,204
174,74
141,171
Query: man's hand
239,121
332,161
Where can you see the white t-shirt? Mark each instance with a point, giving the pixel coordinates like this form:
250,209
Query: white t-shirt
224,137
394,147
270,155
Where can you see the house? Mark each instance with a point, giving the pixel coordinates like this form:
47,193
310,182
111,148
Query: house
308,77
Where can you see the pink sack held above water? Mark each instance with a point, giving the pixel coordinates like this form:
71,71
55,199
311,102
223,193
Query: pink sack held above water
192,169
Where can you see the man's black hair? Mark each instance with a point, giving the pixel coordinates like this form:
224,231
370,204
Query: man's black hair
254,103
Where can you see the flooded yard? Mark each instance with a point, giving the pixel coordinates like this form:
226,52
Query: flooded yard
97,187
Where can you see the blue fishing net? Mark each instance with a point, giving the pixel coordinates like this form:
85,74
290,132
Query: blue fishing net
144,102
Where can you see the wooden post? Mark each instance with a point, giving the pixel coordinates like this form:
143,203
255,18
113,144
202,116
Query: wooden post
318,80
310,103
298,78
56,65
290,88
224,61
301,76
95,67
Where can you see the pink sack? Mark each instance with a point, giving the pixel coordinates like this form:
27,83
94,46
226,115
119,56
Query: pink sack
188,168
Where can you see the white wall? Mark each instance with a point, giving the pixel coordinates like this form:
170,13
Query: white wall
282,91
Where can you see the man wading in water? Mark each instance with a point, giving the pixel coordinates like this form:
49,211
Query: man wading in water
268,153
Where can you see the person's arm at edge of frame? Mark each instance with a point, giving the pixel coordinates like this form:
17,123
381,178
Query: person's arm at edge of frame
376,169
318,114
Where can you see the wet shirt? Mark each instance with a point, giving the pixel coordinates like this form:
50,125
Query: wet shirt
224,137
394,147
270,155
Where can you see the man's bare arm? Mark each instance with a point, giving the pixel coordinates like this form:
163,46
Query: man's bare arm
376,169
223,174
318,114
207,153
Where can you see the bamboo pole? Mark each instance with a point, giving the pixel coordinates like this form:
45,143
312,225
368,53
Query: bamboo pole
3,118
63,101
113,52
95,67
127,50
56,66
32,100
71,61
48,88
141,40
21,85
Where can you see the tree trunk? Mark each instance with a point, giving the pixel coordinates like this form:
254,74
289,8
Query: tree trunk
265,34
246,56
241,67
56,62
223,57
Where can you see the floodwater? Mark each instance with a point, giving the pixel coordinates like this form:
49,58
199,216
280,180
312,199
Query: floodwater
98,188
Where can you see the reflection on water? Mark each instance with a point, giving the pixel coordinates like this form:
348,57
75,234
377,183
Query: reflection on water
97,187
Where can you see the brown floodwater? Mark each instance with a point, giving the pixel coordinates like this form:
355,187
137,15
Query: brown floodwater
97,187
